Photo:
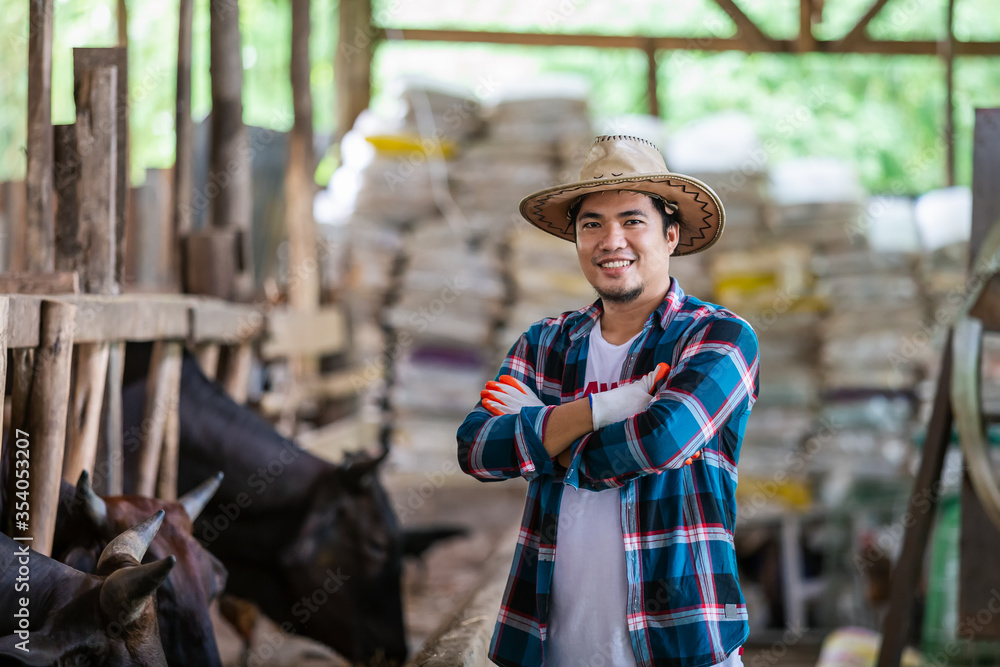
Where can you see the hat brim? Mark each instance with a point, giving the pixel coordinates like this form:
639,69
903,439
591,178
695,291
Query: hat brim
699,207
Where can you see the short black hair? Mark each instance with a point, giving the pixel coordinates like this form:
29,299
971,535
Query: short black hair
670,218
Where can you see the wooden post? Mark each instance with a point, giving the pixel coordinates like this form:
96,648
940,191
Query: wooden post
235,376
166,485
807,42
161,388
92,58
184,131
353,62
979,538
948,52
110,469
228,185
46,424
151,260
40,233
12,210
652,91
87,240
23,372
122,15
208,359
4,308
87,400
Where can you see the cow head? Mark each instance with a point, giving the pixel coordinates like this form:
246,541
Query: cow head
344,567
198,577
104,619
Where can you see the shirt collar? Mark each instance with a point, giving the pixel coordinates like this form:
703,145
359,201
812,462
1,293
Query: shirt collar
664,313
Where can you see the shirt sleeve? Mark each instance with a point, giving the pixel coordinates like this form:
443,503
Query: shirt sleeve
497,448
715,377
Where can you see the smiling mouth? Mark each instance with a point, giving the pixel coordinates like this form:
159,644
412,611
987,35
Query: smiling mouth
617,264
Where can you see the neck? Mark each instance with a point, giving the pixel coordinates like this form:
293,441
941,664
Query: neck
621,321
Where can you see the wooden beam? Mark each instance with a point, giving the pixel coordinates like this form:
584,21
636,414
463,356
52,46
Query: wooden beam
353,61
857,33
12,212
979,537
184,131
235,375
807,41
210,260
46,425
4,312
59,282
122,16
208,359
23,362
290,333
948,53
652,89
40,232
87,240
117,57
707,44
748,30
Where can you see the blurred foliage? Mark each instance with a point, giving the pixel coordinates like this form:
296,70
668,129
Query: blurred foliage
884,113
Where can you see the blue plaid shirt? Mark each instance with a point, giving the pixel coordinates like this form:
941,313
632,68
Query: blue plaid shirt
685,607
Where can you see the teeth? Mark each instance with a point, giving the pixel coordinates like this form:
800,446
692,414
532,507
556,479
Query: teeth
616,265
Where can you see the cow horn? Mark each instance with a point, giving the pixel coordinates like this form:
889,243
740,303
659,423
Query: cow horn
126,590
360,466
133,542
194,501
93,505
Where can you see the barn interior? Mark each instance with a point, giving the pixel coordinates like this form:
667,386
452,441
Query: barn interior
308,211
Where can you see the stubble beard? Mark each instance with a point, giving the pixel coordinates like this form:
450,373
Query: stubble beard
621,296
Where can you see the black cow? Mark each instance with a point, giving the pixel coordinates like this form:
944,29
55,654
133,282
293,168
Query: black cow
87,522
316,545
54,614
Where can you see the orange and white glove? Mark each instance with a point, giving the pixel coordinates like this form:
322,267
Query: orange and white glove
507,396
627,400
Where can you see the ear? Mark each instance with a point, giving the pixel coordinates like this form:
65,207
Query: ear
673,237
38,651
358,470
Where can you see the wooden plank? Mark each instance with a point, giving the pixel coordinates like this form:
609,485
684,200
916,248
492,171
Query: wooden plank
66,177
121,16
40,234
86,404
857,33
235,375
979,537
150,261
12,215
132,318
353,61
920,512
58,282
46,420
747,28
290,333
164,375
184,133
97,144
23,323
224,322
117,57
692,43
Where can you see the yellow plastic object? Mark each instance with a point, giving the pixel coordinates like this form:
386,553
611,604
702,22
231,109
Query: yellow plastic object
403,144
858,647
789,492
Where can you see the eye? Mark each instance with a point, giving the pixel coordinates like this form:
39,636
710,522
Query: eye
590,224
634,221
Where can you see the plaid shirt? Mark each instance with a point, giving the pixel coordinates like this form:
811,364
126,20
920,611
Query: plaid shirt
685,607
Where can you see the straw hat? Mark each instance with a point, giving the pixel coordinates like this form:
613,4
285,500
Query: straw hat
617,162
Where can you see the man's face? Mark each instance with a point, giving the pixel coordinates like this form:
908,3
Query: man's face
621,246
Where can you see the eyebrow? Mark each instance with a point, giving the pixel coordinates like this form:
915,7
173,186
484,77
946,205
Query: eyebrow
622,214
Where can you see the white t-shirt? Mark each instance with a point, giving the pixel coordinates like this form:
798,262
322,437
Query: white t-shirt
587,623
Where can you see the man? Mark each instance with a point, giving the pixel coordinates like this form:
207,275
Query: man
626,555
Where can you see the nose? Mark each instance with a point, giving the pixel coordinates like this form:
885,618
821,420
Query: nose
613,237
